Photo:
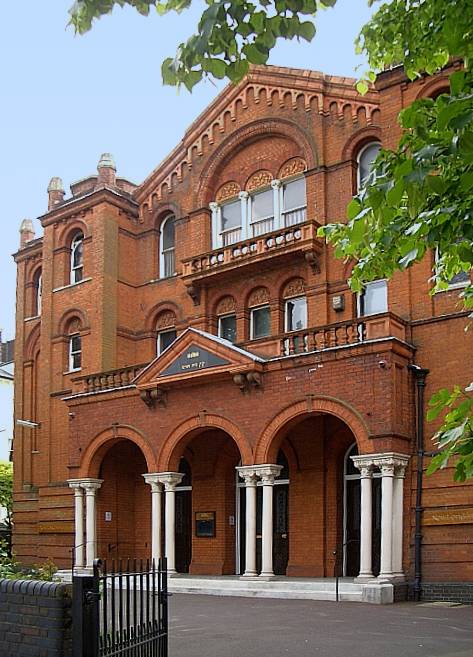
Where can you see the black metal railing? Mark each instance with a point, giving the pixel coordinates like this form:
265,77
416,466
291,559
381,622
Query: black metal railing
121,610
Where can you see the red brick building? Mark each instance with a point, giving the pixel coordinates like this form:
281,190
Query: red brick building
201,373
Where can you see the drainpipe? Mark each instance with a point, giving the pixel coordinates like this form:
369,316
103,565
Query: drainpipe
420,375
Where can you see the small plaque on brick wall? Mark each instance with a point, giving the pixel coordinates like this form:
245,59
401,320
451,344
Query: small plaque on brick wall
451,516
205,524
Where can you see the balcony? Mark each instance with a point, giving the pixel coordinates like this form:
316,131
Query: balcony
332,336
102,381
300,238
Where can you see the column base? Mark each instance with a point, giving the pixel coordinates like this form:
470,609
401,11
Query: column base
250,576
365,577
378,592
265,577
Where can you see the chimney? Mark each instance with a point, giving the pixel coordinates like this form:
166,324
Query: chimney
26,232
55,192
107,170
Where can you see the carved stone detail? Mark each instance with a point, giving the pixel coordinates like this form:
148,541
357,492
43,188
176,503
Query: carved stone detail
166,319
292,167
228,190
295,288
247,381
74,326
194,292
226,305
153,397
258,179
258,297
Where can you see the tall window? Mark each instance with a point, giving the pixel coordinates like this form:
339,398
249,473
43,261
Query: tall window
75,352
167,255
77,258
37,291
296,314
262,212
227,327
373,299
294,202
260,322
230,229
366,157
164,339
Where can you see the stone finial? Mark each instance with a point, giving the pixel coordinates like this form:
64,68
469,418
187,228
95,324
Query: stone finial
55,192
26,232
107,170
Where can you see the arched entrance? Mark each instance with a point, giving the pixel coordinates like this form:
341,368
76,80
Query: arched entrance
205,523
123,504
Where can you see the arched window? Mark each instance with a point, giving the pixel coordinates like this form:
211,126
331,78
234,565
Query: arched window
37,292
165,330
77,258
167,264
365,159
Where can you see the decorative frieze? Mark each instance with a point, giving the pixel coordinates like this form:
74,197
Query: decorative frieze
227,191
258,179
292,167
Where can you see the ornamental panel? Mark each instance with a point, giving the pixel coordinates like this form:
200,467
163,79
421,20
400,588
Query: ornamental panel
292,167
228,190
294,288
226,305
258,297
258,179
166,319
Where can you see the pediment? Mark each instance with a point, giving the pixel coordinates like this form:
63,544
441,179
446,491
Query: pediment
196,355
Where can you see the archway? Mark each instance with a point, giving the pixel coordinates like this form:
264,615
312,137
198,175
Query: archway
123,504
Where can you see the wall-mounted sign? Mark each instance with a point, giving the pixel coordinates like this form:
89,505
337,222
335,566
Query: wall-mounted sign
205,524
108,516
193,359
452,516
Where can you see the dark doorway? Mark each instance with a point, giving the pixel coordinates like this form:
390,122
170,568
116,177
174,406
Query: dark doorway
184,519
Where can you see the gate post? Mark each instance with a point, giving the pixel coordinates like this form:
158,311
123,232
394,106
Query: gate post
85,614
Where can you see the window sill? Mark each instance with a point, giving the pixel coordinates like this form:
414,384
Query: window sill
79,369
455,286
66,287
30,319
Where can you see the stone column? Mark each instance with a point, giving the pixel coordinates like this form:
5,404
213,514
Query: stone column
156,511
170,481
91,487
387,476
248,473
366,520
76,485
267,474
398,504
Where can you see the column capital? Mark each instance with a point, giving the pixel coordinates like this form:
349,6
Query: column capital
391,463
91,484
243,195
248,474
169,479
152,478
213,205
363,465
76,484
268,472
276,183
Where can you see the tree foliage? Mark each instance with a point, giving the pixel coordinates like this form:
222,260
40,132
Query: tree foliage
6,490
417,200
230,35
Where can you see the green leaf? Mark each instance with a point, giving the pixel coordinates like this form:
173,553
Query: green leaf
466,181
307,30
254,55
408,258
353,208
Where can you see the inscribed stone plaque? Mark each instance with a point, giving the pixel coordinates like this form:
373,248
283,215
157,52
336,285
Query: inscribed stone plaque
452,516
192,360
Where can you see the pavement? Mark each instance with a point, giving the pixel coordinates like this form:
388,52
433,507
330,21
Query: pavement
213,626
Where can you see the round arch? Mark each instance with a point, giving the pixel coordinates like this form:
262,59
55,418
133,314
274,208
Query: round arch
359,140
247,134
321,404
72,313
99,446
434,88
167,459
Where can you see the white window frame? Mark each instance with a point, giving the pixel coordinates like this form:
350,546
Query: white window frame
286,315
272,216
360,294
454,286
163,251
252,311
73,353
286,211
219,324
358,160
159,347
38,291
77,240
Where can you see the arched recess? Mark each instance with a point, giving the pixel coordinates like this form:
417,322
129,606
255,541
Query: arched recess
99,446
434,88
358,140
245,136
168,459
32,343
66,236
270,439
73,313
161,307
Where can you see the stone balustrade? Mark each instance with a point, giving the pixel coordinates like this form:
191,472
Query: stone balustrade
99,381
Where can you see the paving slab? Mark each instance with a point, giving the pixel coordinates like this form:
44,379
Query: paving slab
212,626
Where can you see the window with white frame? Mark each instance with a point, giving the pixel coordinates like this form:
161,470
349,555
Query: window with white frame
282,205
295,314
164,339
167,262
77,258
373,299
227,327
37,293
294,202
462,279
365,159
75,353
260,322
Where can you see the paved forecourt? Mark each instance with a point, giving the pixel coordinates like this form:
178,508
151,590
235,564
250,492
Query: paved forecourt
211,626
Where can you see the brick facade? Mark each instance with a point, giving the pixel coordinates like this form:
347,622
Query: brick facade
311,397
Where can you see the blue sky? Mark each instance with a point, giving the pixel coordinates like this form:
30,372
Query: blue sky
66,99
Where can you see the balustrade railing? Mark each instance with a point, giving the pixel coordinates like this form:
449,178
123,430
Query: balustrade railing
262,226
112,379
325,337
294,217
